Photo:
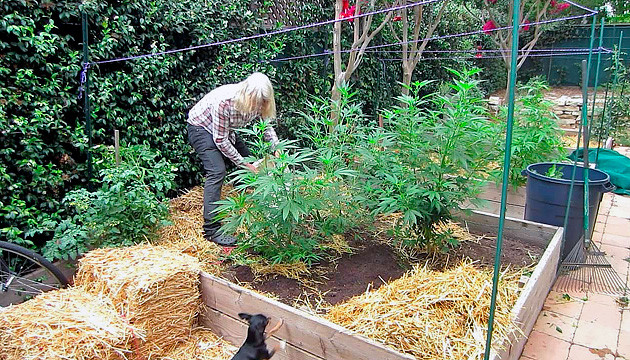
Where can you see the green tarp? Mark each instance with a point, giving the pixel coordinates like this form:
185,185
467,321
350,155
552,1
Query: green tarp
612,163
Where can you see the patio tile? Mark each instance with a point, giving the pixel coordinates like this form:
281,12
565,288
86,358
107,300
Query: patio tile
579,352
622,229
598,327
623,348
621,201
597,236
607,300
616,240
620,211
613,220
625,320
541,346
556,325
567,284
556,302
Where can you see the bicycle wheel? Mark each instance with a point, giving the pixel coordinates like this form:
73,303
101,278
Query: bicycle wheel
24,274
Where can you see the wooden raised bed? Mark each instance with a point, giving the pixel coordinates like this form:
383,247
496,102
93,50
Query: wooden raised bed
311,338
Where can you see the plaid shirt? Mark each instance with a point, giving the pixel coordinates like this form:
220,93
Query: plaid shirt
216,113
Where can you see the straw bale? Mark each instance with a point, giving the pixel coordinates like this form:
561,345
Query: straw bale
186,232
65,324
433,314
202,344
154,288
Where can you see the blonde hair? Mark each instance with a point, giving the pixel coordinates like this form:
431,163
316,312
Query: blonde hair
255,95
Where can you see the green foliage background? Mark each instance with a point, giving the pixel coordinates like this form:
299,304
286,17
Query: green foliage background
42,126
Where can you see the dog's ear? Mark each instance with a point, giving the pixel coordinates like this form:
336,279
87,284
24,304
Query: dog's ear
245,316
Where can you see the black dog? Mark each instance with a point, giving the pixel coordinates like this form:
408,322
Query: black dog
254,347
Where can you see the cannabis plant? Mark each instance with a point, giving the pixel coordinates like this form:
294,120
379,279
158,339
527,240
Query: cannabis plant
429,158
536,135
291,207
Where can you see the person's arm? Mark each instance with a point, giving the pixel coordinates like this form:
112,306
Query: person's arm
270,135
221,134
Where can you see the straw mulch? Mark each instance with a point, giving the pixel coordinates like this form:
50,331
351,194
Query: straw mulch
432,314
186,233
65,324
155,289
202,344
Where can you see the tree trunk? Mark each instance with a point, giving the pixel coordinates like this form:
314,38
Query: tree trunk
406,81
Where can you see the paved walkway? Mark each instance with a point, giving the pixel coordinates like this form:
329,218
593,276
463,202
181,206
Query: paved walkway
583,326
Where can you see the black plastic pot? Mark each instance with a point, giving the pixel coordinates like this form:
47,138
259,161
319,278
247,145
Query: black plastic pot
546,199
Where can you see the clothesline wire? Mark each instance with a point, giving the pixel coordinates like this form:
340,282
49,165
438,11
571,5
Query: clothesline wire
490,57
302,27
276,32
496,50
328,52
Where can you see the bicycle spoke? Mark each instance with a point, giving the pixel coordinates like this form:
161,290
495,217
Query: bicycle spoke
25,274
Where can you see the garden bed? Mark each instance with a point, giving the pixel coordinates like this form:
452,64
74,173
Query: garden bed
310,337
373,263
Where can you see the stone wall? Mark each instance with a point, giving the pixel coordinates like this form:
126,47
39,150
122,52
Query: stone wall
568,107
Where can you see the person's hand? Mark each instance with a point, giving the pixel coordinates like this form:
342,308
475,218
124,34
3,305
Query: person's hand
252,167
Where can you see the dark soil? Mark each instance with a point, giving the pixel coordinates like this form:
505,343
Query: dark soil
374,263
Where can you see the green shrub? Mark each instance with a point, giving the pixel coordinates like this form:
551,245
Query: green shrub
128,207
429,159
536,135
296,204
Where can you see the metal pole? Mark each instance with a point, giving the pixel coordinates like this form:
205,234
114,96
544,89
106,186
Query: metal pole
585,73
613,125
599,62
506,167
86,95
597,69
612,95
577,146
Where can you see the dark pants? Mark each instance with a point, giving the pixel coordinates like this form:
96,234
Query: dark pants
214,166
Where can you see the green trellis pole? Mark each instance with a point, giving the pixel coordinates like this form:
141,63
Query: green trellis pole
86,94
506,166
612,96
599,62
585,71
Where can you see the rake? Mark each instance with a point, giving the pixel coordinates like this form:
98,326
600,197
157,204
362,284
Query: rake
585,268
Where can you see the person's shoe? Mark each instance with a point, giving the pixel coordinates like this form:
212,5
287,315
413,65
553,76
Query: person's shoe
223,239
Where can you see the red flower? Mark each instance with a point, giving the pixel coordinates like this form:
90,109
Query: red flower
559,7
525,25
562,6
478,55
492,1
397,18
347,10
348,13
553,3
489,26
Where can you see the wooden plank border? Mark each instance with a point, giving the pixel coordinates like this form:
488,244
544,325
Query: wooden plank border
309,337
530,302
484,222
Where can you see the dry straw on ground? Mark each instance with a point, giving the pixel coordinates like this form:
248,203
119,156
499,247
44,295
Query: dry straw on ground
202,344
65,324
186,233
432,314
155,289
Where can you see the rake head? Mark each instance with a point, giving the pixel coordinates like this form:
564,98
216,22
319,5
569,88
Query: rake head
585,269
